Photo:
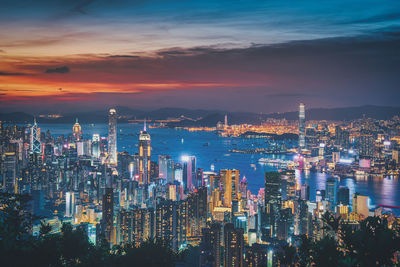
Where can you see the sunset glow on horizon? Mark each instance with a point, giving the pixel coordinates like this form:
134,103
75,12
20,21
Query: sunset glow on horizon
250,56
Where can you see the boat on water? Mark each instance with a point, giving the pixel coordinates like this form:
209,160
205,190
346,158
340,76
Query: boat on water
274,161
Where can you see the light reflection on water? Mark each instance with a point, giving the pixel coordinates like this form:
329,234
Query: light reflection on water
169,141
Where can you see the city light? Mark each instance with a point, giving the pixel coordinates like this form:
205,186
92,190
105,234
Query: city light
199,133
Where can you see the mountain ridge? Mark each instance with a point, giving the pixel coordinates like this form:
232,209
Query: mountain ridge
201,117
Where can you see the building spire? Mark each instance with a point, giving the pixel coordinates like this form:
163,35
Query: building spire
144,126
76,120
34,120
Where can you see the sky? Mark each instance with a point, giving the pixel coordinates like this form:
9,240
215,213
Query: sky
257,56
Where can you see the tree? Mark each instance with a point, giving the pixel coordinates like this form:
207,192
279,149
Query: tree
153,252
304,251
287,255
374,244
15,229
326,252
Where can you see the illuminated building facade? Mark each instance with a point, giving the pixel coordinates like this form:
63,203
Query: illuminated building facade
77,130
96,145
211,246
302,126
230,184
331,192
144,156
233,246
366,145
112,136
273,204
360,205
69,204
108,214
189,172
35,138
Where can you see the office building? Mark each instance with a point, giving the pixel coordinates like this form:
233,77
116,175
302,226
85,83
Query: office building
112,136
144,156
230,185
233,246
77,130
273,203
302,126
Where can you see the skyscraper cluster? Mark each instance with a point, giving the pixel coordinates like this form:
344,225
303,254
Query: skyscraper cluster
125,199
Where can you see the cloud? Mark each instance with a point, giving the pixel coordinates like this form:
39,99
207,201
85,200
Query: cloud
4,73
262,78
61,70
379,18
283,95
123,56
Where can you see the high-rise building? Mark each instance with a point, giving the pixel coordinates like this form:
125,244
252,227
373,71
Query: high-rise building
35,138
366,145
96,145
112,136
256,255
341,137
331,192
360,205
273,202
305,192
9,171
178,173
230,184
108,214
211,246
302,126
189,172
69,204
233,246
77,130
285,223
165,219
143,225
166,168
144,156
343,196
311,137
124,230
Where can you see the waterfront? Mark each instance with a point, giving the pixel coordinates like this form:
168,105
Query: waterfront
211,149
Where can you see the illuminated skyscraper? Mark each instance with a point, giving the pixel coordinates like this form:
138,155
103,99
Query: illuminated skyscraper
96,145
230,184
144,156
112,137
35,138
233,246
360,205
302,126
166,168
211,246
69,204
331,192
77,131
9,171
273,203
108,213
366,145
189,172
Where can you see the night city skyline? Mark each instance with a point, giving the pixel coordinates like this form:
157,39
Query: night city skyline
199,133
253,56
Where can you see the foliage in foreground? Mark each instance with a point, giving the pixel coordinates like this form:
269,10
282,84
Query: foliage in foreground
70,247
